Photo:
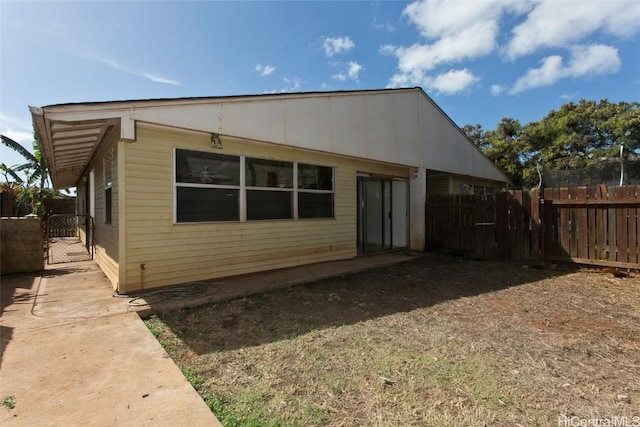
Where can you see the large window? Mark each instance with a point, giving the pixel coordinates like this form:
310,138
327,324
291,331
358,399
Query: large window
217,187
207,187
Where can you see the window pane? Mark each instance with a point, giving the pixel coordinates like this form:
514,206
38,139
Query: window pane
268,173
315,205
207,204
107,205
315,177
269,204
207,168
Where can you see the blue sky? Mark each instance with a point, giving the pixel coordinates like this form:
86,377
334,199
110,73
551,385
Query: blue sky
479,60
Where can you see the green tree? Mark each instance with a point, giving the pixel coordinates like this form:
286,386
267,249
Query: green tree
576,136
31,187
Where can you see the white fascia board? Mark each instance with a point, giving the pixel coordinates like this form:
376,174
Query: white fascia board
127,125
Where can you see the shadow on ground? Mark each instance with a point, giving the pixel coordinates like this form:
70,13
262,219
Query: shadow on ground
16,289
346,300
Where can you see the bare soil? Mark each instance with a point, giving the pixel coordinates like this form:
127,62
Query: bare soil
434,341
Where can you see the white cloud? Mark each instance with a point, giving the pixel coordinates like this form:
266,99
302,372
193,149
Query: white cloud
570,96
7,121
454,32
384,27
457,31
158,79
336,45
21,137
451,82
585,61
18,130
266,70
549,72
558,23
117,66
595,59
351,71
387,49
292,84
497,89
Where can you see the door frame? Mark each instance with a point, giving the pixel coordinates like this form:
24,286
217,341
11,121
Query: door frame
387,218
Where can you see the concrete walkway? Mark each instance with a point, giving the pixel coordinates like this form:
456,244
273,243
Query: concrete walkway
72,354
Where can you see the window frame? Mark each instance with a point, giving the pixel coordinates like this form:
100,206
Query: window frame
243,189
315,191
177,184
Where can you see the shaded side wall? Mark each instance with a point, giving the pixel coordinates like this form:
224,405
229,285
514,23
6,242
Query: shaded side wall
22,245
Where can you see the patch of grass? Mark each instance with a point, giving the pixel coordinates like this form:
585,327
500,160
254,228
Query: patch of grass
428,342
8,402
156,327
224,412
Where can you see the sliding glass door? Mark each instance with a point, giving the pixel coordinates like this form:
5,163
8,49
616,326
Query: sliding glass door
381,214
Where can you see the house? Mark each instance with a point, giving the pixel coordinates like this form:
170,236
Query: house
198,188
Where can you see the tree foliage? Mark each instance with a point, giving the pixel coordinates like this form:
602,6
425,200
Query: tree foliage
576,136
26,181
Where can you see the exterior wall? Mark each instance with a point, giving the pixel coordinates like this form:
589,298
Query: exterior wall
22,243
447,149
452,184
161,253
401,126
375,125
439,184
106,234
459,181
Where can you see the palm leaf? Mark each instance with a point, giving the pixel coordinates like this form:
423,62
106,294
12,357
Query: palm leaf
19,149
7,170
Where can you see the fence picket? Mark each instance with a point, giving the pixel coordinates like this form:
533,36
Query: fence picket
582,226
592,252
622,231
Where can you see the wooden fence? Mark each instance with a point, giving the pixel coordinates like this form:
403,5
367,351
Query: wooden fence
10,207
586,225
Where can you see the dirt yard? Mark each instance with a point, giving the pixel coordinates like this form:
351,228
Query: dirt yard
433,341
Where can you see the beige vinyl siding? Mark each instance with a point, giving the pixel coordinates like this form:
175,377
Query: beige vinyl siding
106,234
452,184
458,181
178,253
438,184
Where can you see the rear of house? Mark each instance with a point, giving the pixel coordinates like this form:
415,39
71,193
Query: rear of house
199,188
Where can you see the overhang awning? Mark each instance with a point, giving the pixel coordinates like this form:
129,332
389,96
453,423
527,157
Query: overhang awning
69,146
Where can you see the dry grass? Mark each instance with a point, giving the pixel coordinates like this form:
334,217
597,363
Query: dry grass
434,341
